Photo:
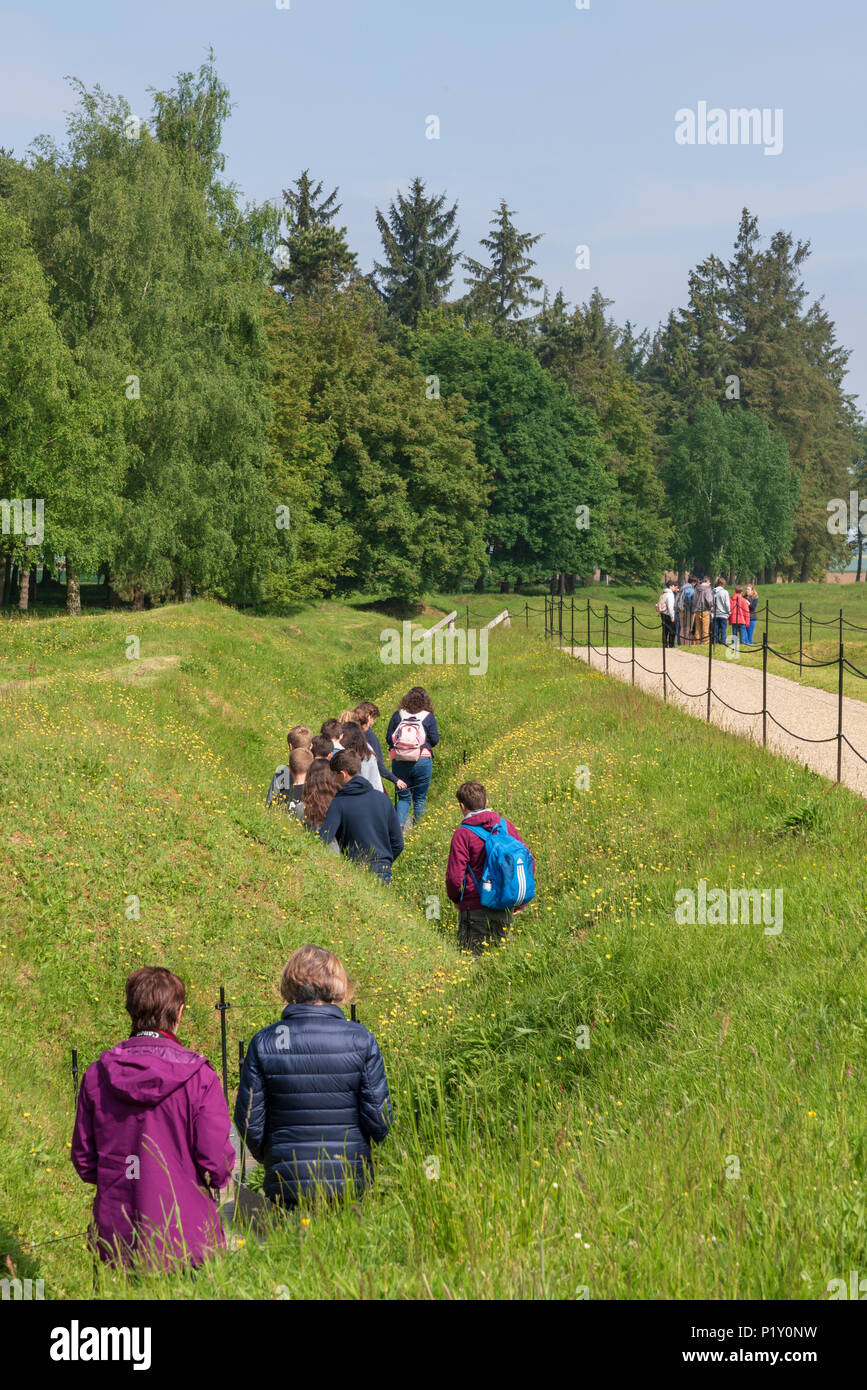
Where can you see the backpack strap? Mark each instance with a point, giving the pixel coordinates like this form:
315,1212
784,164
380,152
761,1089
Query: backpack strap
484,835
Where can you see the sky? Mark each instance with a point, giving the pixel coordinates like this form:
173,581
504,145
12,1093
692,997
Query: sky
569,114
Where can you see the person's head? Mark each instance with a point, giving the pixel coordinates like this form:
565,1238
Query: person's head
353,740
314,976
672,583
751,589
322,746
299,764
299,736
331,729
347,716
706,579
417,700
320,788
345,765
739,589
471,797
367,713
155,999
721,581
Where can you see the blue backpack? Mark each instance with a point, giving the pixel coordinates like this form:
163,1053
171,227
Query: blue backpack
507,874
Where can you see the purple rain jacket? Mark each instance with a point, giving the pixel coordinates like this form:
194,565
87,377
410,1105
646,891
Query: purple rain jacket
152,1125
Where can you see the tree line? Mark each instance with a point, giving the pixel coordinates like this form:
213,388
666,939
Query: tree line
209,396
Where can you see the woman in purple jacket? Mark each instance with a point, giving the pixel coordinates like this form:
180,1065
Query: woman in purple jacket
152,1132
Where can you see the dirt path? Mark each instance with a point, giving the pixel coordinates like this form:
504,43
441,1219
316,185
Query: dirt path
802,709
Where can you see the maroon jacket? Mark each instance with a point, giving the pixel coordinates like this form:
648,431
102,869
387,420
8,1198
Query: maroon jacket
468,851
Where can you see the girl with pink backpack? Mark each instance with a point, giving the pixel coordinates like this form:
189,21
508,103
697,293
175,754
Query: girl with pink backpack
412,735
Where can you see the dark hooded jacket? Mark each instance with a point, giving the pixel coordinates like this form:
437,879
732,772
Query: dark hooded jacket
152,1128
364,823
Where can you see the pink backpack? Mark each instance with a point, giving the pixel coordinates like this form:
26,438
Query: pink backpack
409,737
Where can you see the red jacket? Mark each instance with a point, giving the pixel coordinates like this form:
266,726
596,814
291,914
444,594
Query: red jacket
740,610
468,851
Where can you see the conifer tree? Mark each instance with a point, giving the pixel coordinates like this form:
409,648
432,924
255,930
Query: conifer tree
313,255
419,236
502,288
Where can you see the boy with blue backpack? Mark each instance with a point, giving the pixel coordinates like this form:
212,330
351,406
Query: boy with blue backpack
490,874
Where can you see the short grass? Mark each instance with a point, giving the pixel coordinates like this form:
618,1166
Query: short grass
563,1169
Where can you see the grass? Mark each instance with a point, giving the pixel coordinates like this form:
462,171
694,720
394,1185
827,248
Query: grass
562,1168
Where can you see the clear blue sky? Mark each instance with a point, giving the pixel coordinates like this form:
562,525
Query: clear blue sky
569,114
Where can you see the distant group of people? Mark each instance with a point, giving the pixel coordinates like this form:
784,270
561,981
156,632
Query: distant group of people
696,612
333,782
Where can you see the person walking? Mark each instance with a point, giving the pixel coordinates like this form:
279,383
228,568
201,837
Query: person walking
361,820
366,716
412,735
740,615
313,1095
721,611
683,607
152,1133
667,612
752,598
478,926
702,607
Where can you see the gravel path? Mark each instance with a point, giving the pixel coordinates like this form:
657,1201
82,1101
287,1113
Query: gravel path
805,710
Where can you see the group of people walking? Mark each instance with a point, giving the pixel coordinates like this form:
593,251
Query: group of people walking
153,1131
696,612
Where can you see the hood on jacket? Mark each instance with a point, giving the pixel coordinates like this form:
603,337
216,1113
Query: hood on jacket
144,1071
486,819
356,786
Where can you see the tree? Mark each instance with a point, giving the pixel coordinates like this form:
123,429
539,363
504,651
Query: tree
419,238
732,490
542,453
501,289
386,493
581,349
313,257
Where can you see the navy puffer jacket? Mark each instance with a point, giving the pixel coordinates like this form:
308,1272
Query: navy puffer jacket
313,1095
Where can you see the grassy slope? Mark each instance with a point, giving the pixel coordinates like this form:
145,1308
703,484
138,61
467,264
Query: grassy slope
705,1042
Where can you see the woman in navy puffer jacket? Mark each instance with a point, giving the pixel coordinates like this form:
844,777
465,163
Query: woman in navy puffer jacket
313,1091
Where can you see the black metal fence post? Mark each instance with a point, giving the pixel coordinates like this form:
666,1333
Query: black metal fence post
75,1073
709,671
572,623
221,1007
633,644
800,639
840,712
526,615
588,632
765,688
664,672
606,639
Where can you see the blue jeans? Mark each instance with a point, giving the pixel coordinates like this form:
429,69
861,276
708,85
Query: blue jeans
719,630
417,777
750,630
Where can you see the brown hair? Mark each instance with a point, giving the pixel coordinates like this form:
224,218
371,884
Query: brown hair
346,761
416,700
347,716
472,795
367,710
323,746
299,736
320,789
312,974
330,728
300,760
353,741
153,998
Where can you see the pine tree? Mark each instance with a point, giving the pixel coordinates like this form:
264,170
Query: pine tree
502,288
313,256
419,238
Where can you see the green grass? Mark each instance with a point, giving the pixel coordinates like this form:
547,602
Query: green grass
706,1042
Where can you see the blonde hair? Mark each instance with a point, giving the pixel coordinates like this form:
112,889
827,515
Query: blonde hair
314,975
348,716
